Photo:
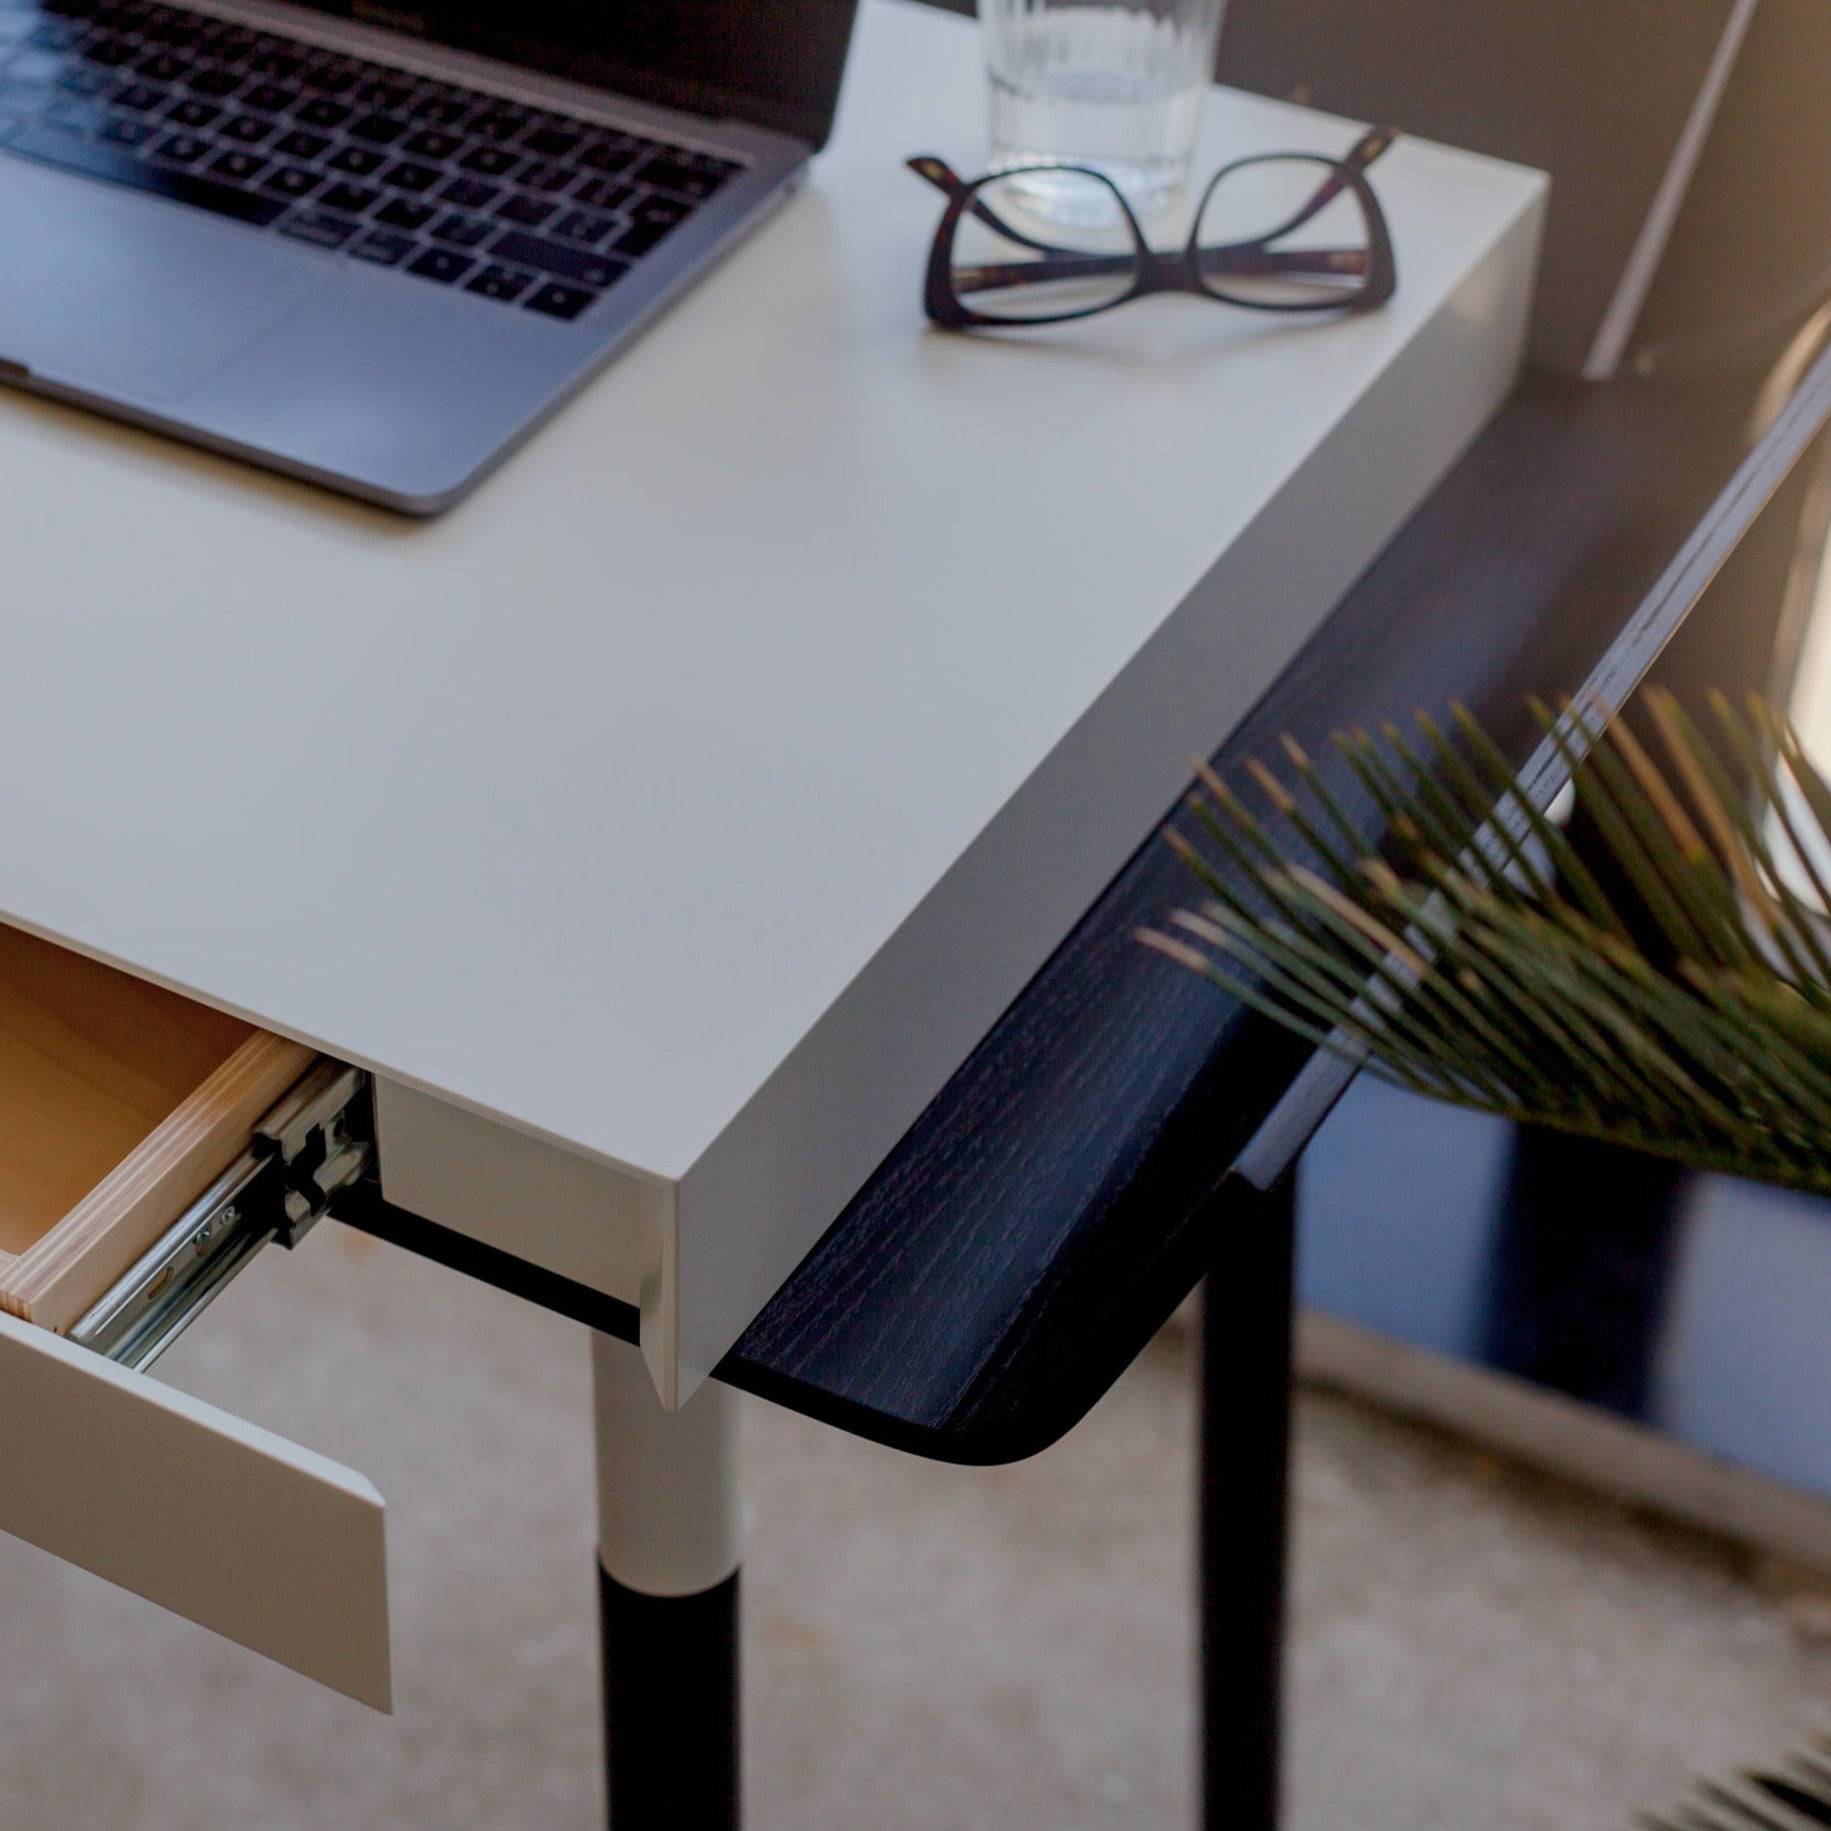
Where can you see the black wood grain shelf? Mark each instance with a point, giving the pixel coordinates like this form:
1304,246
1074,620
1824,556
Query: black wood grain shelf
1094,1157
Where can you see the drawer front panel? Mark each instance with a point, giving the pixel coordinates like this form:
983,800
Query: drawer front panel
587,1222
215,1519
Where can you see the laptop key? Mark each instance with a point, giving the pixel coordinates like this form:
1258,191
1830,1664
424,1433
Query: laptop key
181,149
410,177
280,66
358,161
520,249
349,199
377,129
557,301
442,265
270,98
603,156
383,96
582,226
604,193
688,181
530,212
654,218
469,193
216,81
248,130
301,146
292,181
536,175
333,77
552,142
499,124
462,231
490,161
239,167
382,248
161,67
433,143
318,227
188,113
500,283
97,159
321,111
80,81
439,110
406,213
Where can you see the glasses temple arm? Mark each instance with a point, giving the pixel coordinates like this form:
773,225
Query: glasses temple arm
1369,147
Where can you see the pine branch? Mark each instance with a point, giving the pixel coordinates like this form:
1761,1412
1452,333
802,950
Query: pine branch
1482,962
1793,1794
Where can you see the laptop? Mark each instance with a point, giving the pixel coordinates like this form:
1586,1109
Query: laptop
373,245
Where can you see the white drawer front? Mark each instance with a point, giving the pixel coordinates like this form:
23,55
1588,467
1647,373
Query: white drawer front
215,1519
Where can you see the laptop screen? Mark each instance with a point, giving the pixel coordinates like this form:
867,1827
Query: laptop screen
775,63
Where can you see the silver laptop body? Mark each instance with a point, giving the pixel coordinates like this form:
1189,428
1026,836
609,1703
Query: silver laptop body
402,383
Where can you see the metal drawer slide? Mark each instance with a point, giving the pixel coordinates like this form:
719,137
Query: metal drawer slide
314,1142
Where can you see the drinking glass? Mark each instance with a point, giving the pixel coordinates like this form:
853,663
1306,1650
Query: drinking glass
1115,85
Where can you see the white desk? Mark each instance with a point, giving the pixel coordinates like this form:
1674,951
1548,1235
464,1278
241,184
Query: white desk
665,824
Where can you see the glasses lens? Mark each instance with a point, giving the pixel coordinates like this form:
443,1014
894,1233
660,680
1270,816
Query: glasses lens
1043,244
1284,232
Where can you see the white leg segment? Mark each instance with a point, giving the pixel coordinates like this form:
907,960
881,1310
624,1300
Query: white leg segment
670,1511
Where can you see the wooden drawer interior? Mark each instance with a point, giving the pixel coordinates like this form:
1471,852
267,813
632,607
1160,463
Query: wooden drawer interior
119,1103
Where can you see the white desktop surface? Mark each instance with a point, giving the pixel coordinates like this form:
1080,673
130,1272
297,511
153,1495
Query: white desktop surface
697,793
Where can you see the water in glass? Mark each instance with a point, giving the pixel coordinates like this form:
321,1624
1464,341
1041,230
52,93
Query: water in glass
1112,84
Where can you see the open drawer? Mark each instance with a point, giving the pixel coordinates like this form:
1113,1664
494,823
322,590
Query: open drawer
148,1147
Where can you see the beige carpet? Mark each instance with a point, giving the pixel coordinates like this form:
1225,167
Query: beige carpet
929,1648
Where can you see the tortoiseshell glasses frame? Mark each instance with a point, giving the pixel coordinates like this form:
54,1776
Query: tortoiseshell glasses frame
1193,268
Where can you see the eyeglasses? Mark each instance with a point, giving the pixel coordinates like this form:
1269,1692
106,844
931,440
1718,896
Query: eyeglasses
1283,232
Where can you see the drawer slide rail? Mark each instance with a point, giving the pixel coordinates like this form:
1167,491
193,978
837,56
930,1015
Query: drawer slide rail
313,1143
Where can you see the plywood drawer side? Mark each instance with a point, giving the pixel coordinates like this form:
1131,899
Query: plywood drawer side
54,1280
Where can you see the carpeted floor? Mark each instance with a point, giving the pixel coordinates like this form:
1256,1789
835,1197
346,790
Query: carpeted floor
928,1648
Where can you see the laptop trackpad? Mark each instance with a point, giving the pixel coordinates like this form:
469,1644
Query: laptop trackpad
105,289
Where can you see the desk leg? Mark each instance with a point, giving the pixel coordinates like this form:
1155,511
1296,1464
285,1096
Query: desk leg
1244,1506
669,1543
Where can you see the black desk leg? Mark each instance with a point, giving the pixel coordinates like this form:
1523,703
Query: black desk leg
671,1706
1244,1510
669,1518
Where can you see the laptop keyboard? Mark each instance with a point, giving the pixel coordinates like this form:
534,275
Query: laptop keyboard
534,210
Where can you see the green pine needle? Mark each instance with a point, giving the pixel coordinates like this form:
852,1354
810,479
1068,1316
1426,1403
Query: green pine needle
1793,1794
1480,960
